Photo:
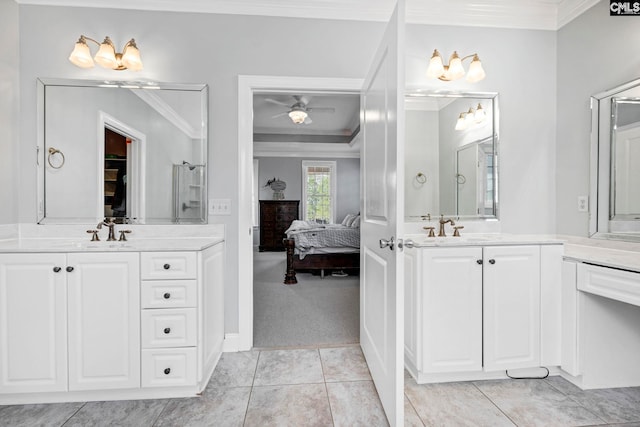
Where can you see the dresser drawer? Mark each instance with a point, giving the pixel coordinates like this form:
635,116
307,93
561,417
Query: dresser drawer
168,265
172,327
168,293
168,367
619,285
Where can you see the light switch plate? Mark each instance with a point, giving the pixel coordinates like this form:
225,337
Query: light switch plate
219,206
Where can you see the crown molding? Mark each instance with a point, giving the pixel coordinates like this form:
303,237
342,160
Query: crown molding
524,14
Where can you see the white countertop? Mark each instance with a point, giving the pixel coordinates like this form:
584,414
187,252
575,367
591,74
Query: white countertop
608,253
33,245
484,239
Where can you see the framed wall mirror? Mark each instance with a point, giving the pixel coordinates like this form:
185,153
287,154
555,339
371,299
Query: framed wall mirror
451,155
615,156
132,151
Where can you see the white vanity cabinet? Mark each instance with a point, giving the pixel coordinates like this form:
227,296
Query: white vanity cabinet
69,322
473,310
108,325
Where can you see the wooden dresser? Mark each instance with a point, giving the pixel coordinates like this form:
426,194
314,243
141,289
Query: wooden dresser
275,217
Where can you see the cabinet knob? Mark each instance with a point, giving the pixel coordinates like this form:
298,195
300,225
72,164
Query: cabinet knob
69,269
479,261
167,371
166,266
167,330
56,269
167,295
492,261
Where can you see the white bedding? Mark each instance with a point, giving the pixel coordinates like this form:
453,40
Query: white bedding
310,236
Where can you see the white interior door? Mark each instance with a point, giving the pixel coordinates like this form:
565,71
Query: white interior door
382,208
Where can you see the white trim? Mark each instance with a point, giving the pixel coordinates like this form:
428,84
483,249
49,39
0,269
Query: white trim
246,86
231,343
333,176
525,14
306,149
166,111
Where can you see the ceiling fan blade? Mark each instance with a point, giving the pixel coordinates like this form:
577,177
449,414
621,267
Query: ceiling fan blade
322,109
304,99
273,101
280,115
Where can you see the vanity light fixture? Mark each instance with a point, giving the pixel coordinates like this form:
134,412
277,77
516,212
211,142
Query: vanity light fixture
455,70
468,118
107,56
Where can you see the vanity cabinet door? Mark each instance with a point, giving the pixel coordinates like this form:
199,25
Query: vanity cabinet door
104,321
33,323
511,307
451,314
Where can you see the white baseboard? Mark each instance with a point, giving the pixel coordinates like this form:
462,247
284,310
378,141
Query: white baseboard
231,343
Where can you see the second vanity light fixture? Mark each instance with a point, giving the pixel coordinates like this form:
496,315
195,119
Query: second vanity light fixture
455,70
470,117
107,56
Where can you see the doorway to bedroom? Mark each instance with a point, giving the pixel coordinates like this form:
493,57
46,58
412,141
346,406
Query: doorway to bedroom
306,187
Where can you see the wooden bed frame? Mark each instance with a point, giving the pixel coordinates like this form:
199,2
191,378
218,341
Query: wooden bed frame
321,262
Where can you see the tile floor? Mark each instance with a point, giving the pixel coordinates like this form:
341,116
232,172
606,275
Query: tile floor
332,387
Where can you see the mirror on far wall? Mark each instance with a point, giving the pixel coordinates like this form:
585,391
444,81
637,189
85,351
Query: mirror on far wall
132,151
615,156
451,155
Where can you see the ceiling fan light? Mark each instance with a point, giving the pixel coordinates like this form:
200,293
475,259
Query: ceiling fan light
435,68
298,116
81,55
106,55
476,72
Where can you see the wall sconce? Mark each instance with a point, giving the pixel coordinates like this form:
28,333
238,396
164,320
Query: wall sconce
107,56
468,118
454,70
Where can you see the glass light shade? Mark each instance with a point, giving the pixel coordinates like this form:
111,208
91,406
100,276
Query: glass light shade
479,115
469,117
435,68
297,116
476,72
455,67
81,56
461,124
131,57
106,55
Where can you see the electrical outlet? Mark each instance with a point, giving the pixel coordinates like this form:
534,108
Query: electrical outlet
219,206
583,204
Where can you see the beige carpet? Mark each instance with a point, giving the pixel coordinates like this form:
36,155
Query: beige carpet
315,311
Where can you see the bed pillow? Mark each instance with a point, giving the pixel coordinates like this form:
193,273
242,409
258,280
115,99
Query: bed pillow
356,222
348,219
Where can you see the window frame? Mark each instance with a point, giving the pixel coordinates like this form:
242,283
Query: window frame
333,185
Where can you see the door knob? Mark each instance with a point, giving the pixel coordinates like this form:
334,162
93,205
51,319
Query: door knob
406,243
384,243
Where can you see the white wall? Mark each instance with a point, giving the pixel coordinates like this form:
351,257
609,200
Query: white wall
520,66
421,156
596,52
190,48
289,170
9,108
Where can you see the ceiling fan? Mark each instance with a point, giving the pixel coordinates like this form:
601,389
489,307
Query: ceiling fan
299,111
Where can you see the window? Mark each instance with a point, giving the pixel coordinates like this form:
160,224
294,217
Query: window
319,191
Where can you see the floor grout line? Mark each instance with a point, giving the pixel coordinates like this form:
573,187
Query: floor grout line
494,404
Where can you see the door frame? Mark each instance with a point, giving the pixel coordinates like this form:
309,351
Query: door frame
247,85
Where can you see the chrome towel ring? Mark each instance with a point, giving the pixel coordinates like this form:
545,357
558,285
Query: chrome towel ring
53,152
461,178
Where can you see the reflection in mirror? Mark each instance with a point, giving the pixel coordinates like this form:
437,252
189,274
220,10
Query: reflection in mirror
132,151
451,163
615,154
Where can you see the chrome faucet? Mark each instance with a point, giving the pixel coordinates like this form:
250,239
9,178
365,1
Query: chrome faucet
443,221
109,223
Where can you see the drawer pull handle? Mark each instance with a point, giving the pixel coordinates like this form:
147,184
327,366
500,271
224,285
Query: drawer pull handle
167,371
479,261
69,269
167,330
492,261
166,266
167,295
56,269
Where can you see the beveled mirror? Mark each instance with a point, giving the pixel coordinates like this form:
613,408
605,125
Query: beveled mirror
451,155
129,150
615,156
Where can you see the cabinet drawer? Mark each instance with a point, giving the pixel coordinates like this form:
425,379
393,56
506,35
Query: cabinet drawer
168,367
172,327
168,294
168,265
619,285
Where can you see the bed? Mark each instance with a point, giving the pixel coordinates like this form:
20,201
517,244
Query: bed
317,248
